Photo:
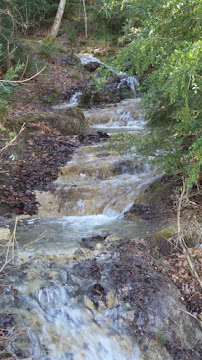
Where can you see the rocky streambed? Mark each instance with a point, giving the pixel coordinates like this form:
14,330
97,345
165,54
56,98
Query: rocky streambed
102,301
83,286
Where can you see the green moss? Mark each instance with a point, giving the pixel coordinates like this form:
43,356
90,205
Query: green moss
70,122
160,239
161,336
168,231
52,99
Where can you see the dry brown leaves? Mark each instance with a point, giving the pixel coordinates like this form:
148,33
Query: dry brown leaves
177,268
60,79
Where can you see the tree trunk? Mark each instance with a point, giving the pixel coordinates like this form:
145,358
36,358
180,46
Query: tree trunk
85,19
56,25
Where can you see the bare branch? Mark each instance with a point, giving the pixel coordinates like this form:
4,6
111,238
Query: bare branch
23,81
10,244
11,143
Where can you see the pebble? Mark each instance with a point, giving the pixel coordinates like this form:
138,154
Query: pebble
111,299
4,233
88,303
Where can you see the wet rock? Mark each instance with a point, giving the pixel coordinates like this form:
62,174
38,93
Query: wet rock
22,349
92,66
89,138
89,303
101,306
67,59
98,290
162,239
146,212
112,238
4,233
117,88
129,167
93,242
155,351
95,271
111,299
103,154
97,296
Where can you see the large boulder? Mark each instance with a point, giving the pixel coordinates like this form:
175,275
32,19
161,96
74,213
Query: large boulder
70,121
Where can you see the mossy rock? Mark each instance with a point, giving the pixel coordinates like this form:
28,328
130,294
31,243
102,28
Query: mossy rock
160,193
70,121
161,239
154,351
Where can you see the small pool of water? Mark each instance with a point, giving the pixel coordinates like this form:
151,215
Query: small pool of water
65,233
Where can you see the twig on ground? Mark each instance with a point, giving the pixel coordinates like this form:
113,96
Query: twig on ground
11,244
32,242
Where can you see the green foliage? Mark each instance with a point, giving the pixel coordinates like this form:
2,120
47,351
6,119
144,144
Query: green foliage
164,49
161,336
110,17
6,88
49,50
29,14
122,142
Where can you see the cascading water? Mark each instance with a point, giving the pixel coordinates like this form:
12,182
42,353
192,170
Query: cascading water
124,79
71,332
72,102
88,58
92,193
126,115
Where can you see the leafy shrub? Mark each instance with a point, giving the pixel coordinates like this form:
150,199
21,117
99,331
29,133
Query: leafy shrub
165,51
6,88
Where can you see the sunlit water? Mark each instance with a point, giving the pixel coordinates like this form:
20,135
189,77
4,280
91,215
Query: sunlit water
92,193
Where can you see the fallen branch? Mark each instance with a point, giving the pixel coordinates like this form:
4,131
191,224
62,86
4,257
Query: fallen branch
11,142
23,81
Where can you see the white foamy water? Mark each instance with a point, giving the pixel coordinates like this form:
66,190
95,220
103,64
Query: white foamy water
87,58
72,102
130,81
62,235
126,115
125,122
79,335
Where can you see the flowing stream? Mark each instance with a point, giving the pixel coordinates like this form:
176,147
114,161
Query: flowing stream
92,193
